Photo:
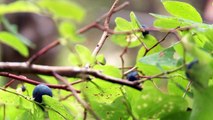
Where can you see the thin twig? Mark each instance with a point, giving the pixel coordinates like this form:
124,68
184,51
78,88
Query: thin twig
4,112
81,101
157,43
95,23
160,74
85,114
66,97
105,33
132,69
109,14
100,43
42,51
122,59
187,88
33,82
77,82
9,83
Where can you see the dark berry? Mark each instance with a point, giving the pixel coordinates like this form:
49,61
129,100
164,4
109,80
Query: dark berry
189,66
23,88
145,32
189,109
132,76
41,90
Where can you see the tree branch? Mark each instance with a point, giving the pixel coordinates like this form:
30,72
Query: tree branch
22,67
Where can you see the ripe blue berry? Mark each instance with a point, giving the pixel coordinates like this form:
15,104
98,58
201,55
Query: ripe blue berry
189,66
41,90
132,76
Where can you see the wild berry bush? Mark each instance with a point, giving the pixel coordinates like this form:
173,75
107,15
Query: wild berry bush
172,82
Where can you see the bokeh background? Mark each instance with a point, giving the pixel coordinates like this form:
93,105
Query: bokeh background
42,30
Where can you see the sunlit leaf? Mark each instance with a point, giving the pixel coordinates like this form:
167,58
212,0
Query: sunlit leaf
103,91
130,40
84,54
19,6
57,107
13,29
68,31
182,10
163,58
12,41
49,79
63,9
152,104
202,105
114,111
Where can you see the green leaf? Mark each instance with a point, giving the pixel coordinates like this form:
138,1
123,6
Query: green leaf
103,91
117,110
177,78
27,115
48,79
12,41
177,116
74,60
179,49
149,41
101,59
122,24
57,107
54,116
170,23
205,63
134,20
152,104
174,22
37,113
18,6
63,9
202,105
163,58
204,39
12,112
84,54
109,70
8,98
68,31
130,40
13,29
182,10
